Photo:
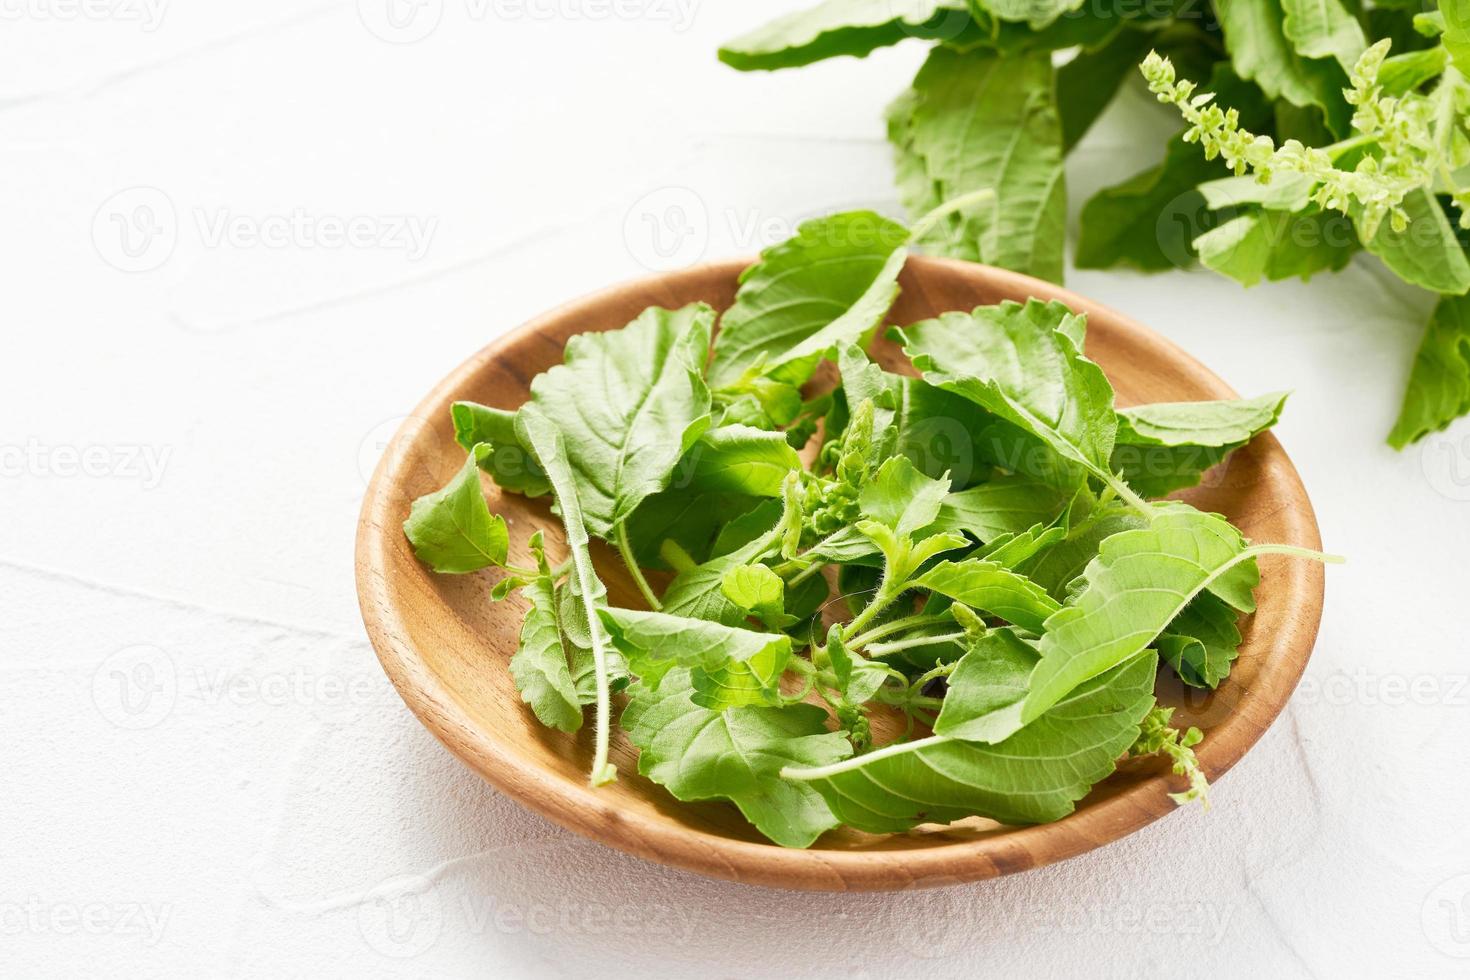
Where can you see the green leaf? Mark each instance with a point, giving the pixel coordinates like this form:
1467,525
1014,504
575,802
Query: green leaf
760,592
628,403
858,678
1403,73
1439,385
1277,245
1034,776
939,432
540,666
1323,29
698,592
1006,505
988,688
452,529
1426,253
690,518
1260,52
754,587
979,120
1087,83
737,459
586,592
1019,363
1014,550
831,283
902,498
1150,220
728,666
1456,36
843,27
1139,582
511,464
1168,446
1058,567
736,755
987,585
1202,641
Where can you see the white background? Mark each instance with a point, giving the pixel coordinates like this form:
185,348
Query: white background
205,772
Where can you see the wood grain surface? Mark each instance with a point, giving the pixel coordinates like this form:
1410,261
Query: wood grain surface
446,647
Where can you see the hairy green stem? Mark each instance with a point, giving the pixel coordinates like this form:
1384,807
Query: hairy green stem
898,626
626,550
858,761
894,646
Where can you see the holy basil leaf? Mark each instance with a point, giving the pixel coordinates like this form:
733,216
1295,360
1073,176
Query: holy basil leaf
737,459
452,529
1426,253
1278,245
736,755
858,678
1168,446
1059,566
728,666
585,593
1139,582
1087,83
1019,363
1439,386
992,587
697,592
691,519
980,119
829,284
1006,505
509,463
1202,641
1260,52
1323,29
1036,775
628,403
843,27
540,666
902,498
760,592
940,432
988,688
1456,36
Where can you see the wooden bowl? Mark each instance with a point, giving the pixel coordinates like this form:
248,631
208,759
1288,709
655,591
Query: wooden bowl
446,646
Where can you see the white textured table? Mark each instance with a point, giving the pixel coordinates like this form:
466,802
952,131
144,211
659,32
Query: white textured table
242,239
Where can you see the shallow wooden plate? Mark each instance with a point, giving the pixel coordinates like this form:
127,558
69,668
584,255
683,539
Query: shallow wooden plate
446,646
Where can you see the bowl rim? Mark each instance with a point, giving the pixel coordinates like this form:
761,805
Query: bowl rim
948,861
